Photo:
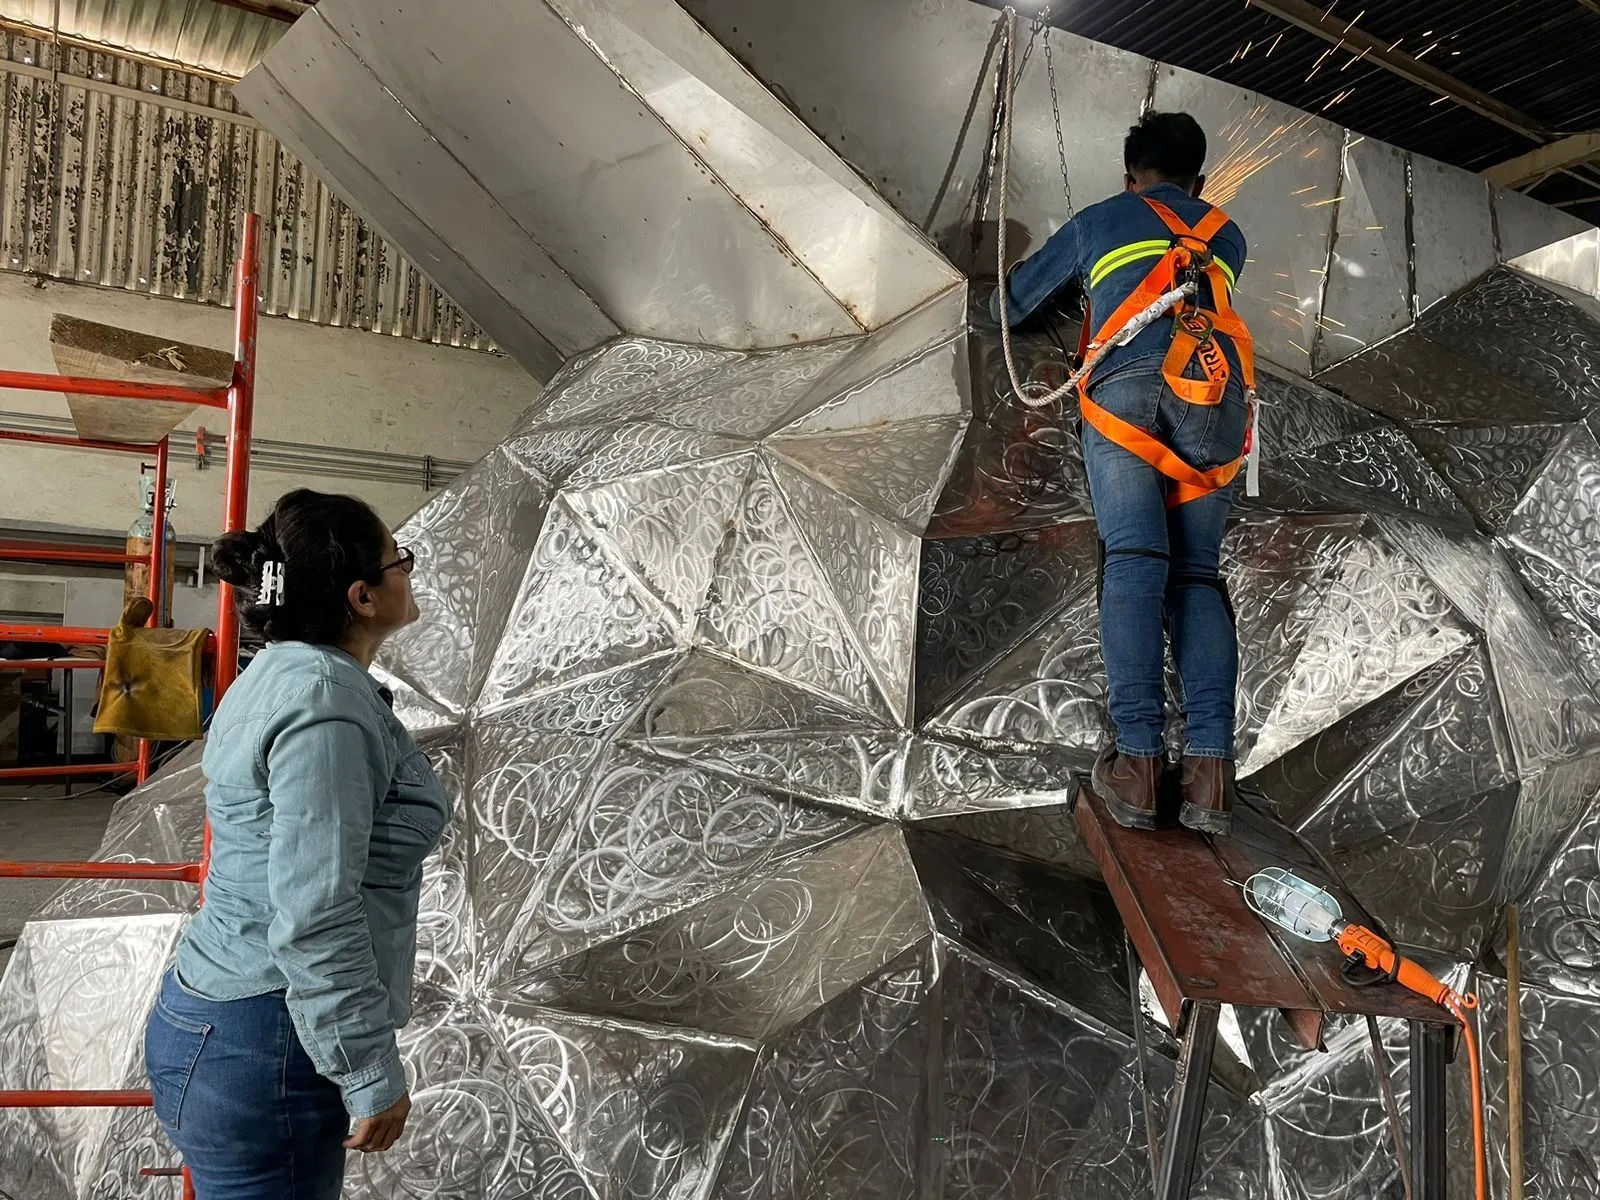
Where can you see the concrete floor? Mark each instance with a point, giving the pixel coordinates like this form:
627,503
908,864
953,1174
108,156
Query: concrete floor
50,828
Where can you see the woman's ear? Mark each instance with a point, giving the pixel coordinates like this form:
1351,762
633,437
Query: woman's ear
360,598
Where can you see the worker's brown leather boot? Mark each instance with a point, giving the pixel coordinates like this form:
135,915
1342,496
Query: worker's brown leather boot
1208,794
1128,786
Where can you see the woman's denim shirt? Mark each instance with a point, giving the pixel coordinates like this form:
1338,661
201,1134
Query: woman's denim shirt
322,810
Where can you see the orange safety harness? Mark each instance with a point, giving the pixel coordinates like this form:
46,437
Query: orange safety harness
1193,340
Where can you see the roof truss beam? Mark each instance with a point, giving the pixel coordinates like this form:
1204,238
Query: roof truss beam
1546,160
1313,19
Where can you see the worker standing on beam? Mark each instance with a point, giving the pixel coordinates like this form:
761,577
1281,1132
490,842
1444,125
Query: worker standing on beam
1166,420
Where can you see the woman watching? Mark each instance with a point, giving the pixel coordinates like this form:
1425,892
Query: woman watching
274,1032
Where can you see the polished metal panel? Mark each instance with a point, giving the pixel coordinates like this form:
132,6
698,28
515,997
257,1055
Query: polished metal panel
833,222
763,677
1454,229
763,726
1368,295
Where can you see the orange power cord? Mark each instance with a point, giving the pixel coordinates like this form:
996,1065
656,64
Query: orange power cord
1381,956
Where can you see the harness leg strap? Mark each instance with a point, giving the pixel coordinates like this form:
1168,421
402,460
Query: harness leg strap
1215,582
1101,554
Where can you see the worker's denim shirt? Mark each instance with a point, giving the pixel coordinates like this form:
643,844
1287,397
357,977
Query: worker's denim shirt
322,810
1071,255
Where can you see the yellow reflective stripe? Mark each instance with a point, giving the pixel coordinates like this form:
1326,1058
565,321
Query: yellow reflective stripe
1226,270
1124,255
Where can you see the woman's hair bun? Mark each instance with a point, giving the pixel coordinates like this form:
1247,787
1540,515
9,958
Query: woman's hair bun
236,558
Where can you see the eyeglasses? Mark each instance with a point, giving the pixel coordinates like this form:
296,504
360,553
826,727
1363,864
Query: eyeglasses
406,561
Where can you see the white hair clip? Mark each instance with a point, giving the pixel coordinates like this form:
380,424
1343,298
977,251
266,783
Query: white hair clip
271,583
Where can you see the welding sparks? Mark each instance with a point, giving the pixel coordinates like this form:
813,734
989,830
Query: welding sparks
1310,187
1323,203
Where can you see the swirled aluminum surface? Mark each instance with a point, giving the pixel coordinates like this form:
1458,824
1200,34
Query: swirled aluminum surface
763,681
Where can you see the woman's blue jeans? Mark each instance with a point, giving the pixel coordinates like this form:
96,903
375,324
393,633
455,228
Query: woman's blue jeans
240,1100
1161,573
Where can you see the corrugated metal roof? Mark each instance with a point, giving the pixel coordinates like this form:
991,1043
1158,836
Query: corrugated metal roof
1537,55
200,34
125,175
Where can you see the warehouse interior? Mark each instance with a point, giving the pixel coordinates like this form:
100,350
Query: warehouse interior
758,646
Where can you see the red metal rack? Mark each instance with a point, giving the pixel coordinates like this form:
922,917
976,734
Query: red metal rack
238,398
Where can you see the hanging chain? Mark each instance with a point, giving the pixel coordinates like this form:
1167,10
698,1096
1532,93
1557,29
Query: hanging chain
1055,108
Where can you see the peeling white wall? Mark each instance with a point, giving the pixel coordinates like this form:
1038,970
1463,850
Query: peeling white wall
331,387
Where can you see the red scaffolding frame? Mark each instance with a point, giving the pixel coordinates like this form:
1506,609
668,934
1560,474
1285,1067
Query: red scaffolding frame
238,398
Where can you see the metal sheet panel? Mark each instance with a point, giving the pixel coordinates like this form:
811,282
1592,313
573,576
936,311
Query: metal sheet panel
848,236
1368,296
533,308
1276,171
1454,228
609,192
914,122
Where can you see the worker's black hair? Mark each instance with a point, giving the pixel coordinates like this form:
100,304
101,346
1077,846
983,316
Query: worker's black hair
324,543
1171,144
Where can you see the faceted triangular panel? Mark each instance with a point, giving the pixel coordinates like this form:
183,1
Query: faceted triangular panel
1561,910
647,446
1048,834
1049,688
647,839
732,719
871,566
979,596
617,1098
1552,713
1381,622
596,705
444,907
471,545
480,1129
1277,572
1293,416
752,395
668,525
772,607
526,787
434,655
1300,780
1558,517
931,385
1434,880
1377,470
621,379
834,1109
1446,747
895,470
1034,1099
1490,467
1420,382
578,612
1316,1099
73,1003
943,777
848,769
1570,606
755,958
709,696
1534,333
1061,933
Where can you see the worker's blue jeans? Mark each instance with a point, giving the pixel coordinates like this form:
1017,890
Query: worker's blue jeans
1161,565
238,1097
